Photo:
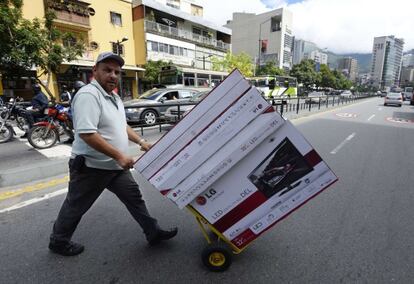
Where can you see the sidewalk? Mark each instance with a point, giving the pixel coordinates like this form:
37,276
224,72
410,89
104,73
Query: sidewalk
20,163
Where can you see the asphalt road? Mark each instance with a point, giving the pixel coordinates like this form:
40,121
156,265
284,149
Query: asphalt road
358,231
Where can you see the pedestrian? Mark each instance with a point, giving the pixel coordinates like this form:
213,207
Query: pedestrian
99,159
39,103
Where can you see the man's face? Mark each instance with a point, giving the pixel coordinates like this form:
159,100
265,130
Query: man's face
107,74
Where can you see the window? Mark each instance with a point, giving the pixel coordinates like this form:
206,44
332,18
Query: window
69,41
116,19
121,50
196,10
275,24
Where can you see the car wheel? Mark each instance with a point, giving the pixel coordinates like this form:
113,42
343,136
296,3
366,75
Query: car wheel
149,117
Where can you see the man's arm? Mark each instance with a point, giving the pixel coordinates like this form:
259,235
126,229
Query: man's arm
134,137
96,141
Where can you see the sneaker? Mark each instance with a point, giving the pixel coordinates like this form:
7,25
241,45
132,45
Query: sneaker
66,248
161,235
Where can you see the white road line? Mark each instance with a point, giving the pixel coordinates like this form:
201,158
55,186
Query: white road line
371,117
342,144
34,200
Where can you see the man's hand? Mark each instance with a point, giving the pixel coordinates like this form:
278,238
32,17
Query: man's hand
125,162
145,146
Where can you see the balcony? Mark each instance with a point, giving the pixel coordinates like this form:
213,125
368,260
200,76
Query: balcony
70,13
183,34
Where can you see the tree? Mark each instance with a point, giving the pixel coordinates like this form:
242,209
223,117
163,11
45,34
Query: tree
269,69
242,61
152,72
305,73
327,79
39,43
341,82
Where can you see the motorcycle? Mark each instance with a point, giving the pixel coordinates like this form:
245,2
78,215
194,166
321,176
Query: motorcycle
45,134
6,129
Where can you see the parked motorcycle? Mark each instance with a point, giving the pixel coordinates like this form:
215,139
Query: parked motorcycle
6,129
45,134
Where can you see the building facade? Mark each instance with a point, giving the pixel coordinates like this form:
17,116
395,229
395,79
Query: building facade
265,37
318,57
407,75
303,49
167,33
349,67
408,59
101,25
386,61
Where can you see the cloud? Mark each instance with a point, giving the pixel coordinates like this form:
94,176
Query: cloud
339,25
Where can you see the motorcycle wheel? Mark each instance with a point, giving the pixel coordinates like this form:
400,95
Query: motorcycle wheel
41,137
6,133
22,123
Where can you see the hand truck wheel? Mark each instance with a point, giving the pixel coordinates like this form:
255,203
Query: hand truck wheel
217,257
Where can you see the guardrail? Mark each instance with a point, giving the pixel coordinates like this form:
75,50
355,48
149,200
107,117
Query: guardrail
282,105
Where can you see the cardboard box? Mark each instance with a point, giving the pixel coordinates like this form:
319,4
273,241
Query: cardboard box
210,140
211,107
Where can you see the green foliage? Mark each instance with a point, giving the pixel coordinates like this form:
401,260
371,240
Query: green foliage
269,69
24,43
305,73
242,61
152,71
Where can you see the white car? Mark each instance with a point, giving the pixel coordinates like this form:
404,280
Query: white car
316,97
173,116
346,94
393,99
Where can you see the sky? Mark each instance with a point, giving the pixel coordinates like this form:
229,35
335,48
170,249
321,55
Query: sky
341,26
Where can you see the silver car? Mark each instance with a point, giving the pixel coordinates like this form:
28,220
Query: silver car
393,99
149,108
172,114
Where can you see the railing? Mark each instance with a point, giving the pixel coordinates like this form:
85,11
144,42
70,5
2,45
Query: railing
285,106
168,30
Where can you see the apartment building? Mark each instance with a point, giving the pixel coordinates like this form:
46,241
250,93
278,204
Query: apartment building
169,33
348,66
265,37
386,63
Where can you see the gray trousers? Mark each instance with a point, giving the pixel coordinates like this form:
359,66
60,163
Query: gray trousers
85,186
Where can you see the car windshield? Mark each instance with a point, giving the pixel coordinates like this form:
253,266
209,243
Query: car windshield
394,95
150,94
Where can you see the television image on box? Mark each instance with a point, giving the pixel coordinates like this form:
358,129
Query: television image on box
280,170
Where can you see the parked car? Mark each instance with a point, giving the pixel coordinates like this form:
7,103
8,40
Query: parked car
393,99
149,108
171,114
316,97
383,94
346,94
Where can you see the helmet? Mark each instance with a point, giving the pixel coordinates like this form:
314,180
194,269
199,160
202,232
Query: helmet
36,88
78,85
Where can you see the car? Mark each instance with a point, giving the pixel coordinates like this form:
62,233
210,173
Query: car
383,94
346,95
393,99
316,97
150,108
173,116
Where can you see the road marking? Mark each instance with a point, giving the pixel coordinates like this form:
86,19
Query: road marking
32,188
371,117
342,144
34,200
346,115
399,120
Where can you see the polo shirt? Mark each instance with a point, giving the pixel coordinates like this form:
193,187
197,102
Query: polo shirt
96,111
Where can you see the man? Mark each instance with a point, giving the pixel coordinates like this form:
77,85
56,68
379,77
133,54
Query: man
99,161
39,104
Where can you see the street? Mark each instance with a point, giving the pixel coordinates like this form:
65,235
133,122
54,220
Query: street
358,230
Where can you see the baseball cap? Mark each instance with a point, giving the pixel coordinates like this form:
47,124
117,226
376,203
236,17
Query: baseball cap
110,55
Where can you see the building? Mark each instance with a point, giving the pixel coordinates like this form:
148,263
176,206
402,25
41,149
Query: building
407,75
167,33
265,37
302,49
386,63
408,59
349,67
318,57
193,7
102,25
